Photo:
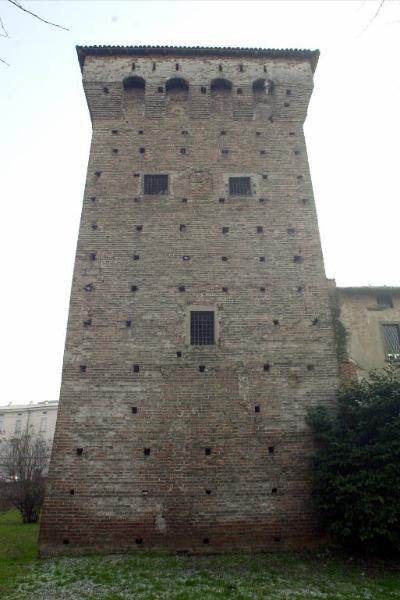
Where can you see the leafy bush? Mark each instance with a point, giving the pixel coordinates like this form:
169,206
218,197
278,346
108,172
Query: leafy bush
357,465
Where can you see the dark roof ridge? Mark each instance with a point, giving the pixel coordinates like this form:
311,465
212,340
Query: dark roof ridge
368,288
311,55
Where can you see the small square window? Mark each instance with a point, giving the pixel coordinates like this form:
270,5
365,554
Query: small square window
155,184
384,300
240,186
202,329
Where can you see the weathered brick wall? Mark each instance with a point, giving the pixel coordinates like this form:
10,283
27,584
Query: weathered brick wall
275,354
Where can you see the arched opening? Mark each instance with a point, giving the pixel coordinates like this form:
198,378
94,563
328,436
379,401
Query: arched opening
221,88
134,88
134,83
262,87
177,88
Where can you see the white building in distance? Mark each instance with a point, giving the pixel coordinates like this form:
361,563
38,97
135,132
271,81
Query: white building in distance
39,418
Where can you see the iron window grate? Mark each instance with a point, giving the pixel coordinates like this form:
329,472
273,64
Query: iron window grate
156,184
391,334
201,327
239,186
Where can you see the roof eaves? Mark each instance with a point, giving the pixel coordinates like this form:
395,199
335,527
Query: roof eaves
369,288
83,51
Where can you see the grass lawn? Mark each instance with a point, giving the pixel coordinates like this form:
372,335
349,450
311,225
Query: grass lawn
149,576
18,548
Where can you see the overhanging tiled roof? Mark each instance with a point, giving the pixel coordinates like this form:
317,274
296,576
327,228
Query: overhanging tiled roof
369,288
83,51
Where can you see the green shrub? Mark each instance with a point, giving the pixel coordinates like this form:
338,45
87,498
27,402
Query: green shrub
357,465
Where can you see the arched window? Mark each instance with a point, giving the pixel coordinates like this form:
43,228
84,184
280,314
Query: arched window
220,88
134,88
177,88
262,87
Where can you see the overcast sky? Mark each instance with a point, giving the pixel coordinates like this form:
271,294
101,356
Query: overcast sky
352,131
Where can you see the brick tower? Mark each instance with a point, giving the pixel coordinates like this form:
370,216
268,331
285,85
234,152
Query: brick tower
199,329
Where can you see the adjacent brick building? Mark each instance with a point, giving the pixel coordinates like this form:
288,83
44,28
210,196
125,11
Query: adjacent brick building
370,320
199,330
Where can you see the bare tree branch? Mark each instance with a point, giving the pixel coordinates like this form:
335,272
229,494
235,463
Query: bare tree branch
5,34
24,459
18,5
372,19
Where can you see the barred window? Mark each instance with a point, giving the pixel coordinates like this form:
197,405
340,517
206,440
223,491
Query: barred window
391,336
201,327
240,186
155,184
